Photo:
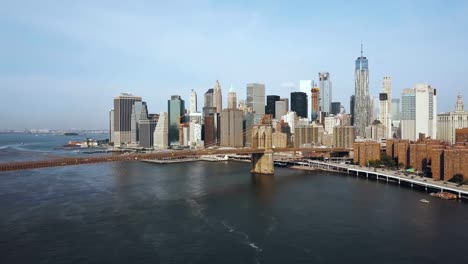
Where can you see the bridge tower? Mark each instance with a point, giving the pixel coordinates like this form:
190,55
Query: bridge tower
262,163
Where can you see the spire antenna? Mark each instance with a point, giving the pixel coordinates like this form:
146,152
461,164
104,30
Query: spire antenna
361,50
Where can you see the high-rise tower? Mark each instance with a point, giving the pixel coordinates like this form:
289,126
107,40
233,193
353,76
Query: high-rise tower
361,92
385,110
232,99
123,105
325,92
193,102
217,97
175,109
256,97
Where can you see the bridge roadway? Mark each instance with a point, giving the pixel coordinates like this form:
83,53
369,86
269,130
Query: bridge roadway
67,161
395,176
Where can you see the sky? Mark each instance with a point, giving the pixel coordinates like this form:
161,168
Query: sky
62,62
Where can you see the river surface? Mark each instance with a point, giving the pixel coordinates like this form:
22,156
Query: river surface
202,212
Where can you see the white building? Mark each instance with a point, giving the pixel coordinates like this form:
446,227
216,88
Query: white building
385,109
292,119
193,102
329,123
160,135
195,134
281,108
419,112
447,123
325,85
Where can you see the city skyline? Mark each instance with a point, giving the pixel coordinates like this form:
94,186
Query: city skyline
54,60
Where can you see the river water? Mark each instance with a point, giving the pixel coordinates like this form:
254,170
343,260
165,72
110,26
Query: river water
202,212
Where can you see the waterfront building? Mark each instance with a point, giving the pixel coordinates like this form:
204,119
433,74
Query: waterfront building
146,132
419,108
123,105
217,97
175,109
139,113
325,85
299,103
111,126
193,102
385,109
281,107
270,108
232,99
306,86
335,108
256,97
448,122
366,151
343,136
161,132
361,114
231,128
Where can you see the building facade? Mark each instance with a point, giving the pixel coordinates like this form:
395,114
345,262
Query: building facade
175,111
270,108
161,132
299,104
448,123
231,128
361,112
335,108
217,97
146,132
256,97
343,136
325,85
123,105
385,110
193,102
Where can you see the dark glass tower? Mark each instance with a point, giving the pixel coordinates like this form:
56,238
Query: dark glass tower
299,104
270,108
175,109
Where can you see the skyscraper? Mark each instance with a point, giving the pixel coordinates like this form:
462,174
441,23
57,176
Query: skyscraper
385,110
419,112
325,85
161,133
335,108
299,103
256,97
146,132
306,86
123,105
217,97
231,128
139,113
361,92
352,103
111,125
193,102
270,108
175,109
281,108
396,112
208,103
232,99
315,98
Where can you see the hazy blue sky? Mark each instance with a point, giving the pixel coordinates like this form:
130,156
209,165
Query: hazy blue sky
61,62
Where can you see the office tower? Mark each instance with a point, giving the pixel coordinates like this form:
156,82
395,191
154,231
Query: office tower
232,99
325,85
212,129
371,109
315,98
175,110
396,113
256,97
299,103
306,86
448,123
335,108
184,136
361,106
352,102
343,136
217,97
146,132
419,112
281,108
139,113
231,128
193,102
111,126
270,108
385,109
292,119
161,132
123,105
208,98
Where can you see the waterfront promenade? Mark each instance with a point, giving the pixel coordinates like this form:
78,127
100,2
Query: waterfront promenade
389,176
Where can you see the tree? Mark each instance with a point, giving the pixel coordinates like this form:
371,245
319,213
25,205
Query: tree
457,178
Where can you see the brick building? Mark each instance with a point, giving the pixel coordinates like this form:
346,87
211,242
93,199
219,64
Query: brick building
366,151
461,135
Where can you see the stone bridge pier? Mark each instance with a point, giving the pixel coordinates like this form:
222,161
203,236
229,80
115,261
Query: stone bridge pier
262,163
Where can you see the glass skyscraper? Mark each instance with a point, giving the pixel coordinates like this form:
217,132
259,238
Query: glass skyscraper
362,115
175,109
